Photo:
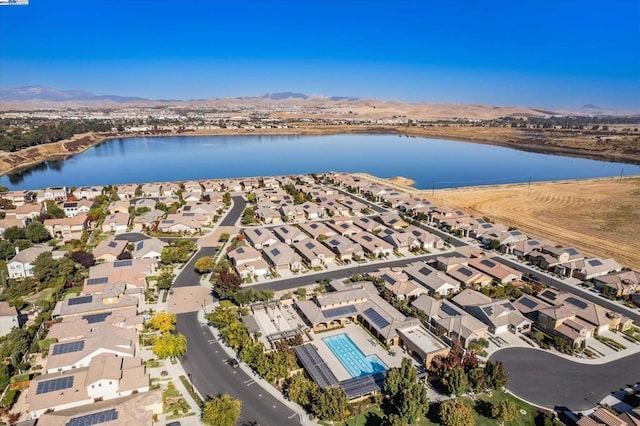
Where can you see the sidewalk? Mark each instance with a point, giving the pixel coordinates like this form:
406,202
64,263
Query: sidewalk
302,414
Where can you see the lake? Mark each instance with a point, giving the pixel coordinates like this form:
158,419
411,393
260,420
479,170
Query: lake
429,162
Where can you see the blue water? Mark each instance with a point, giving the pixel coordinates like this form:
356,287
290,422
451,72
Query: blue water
352,358
429,162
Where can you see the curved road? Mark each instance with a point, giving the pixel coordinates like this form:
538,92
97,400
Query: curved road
551,381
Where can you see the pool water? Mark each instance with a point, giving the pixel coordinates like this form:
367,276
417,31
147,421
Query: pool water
352,358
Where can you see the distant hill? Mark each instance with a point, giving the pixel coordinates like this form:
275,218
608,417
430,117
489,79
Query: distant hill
280,96
35,93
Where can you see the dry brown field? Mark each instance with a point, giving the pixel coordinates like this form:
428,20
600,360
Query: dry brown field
599,217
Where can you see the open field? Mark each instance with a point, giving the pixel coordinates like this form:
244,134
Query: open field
599,217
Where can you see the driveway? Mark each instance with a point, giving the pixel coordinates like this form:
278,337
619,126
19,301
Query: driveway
550,381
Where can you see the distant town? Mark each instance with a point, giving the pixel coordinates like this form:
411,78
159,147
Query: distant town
299,299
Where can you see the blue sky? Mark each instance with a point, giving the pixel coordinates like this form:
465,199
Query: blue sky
533,53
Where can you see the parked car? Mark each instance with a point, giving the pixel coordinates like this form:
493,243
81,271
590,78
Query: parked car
234,363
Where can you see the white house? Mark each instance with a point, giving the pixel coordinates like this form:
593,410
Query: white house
8,318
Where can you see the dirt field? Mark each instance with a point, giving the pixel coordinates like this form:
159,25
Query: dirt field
599,217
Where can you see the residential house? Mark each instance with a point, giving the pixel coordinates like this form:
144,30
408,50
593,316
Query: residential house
551,256
268,215
292,213
8,318
149,248
469,276
282,257
499,272
112,299
588,269
260,237
448,320
447,263
8,223
317,230
186,223
601,417
344,248
399,284
56,193
368,224
170,189
312,211
17,198
289,234
109,339
88,192
248,261
500,315
26,211
354,206
148,219
428,241
192,186
393,221
72,208
107,377
109,249
314,253
435,281
620,284
400,241
143,203
126,191
151,190
21,265
372,244
343,226
117,223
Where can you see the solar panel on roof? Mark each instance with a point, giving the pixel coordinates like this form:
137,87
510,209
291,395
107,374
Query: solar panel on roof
168,221
533,243
576,302
113,244
258,232
79,300
188,214
95,281
309,245
94,418
549,295
375,317
54,385
139,245
339,312
425,271
572,251
367,238
240,250
531,304
95,318
122,263
595,262
275,252
65,348
488,263
449,310
465,272
487,226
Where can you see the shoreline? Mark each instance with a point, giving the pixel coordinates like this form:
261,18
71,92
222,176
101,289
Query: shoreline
12,162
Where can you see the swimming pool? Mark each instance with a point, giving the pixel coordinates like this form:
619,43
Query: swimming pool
352,358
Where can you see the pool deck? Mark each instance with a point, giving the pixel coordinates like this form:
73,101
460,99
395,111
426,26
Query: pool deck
367,344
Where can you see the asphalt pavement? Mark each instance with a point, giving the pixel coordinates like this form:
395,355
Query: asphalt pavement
188,276
239,204
206,363
550,381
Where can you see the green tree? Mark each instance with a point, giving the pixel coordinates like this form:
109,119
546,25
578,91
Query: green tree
204,265
222,317
300,390
455,413
496,375
248,216
14,233
170,345
7,250
54,211
47,269
406,394
221,411
494,244
37,233
224,237
163,322
505,411
165,279
330,404
457,382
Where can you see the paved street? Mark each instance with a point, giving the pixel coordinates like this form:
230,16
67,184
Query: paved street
205,362
188,276
551,381
239,204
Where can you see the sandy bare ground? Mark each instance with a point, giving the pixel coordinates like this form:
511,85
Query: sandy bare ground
599,217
